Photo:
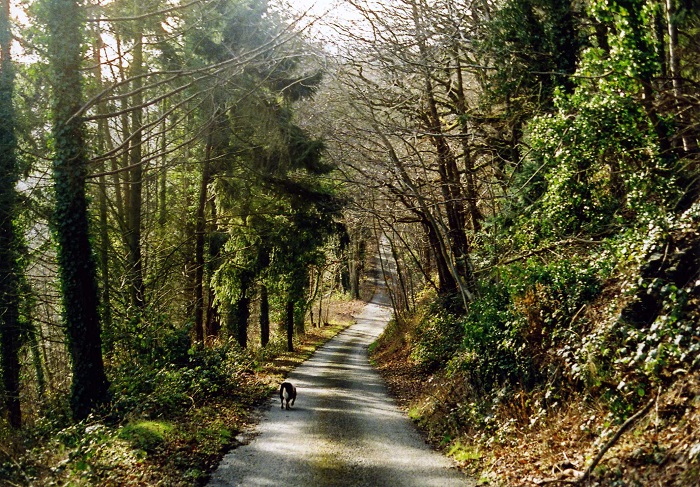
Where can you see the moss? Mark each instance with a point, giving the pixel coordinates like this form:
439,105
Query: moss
146,435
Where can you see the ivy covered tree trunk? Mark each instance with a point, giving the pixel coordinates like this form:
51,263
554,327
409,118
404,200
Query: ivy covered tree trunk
75,259
9,266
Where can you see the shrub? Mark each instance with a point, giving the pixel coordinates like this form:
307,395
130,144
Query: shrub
438,337
146,435
153,390
508,333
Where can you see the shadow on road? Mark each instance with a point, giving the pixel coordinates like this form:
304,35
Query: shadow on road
344,428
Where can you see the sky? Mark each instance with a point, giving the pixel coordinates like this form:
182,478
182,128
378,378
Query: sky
327,12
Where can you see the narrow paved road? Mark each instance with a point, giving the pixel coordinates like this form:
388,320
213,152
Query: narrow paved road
344,429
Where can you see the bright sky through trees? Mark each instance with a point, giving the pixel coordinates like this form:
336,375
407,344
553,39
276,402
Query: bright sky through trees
327,16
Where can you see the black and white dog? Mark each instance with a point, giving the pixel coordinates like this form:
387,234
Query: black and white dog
287,393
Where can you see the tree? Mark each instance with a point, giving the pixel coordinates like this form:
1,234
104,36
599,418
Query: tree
412,129
89,387
10,269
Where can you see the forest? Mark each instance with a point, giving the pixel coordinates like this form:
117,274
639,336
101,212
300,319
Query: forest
192,194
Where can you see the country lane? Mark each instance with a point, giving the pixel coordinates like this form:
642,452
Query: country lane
344,429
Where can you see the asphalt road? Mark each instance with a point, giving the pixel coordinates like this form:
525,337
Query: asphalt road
344,429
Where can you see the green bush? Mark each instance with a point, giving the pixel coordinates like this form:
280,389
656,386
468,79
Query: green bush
490,351
146,435
509,331
438,337
153,390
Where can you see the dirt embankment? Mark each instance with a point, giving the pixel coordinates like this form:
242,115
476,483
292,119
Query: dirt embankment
661,447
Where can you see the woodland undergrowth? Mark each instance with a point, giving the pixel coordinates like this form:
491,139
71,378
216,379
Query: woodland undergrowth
532,385
170,421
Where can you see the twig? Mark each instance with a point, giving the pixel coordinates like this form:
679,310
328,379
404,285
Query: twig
625,426
541,250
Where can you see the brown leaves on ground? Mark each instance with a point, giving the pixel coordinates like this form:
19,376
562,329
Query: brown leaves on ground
661,449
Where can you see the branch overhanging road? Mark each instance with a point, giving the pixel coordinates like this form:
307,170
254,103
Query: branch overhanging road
344,429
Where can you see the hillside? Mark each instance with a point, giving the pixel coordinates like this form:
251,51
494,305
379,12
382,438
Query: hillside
628,351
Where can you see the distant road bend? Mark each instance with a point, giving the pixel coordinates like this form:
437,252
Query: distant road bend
344,430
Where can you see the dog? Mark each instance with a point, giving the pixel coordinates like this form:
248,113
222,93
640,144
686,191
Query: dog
287,393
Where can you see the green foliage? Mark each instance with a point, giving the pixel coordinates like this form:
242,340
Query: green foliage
489,349
464,453
534,44
153,340
146,435
156,389
88,446
508,331
596,164
653,335
631,43
438,337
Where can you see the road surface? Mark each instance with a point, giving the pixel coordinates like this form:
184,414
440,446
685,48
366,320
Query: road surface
344,430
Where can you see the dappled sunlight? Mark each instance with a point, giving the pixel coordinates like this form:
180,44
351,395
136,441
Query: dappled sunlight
343,429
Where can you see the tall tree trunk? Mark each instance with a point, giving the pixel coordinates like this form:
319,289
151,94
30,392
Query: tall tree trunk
264,316
475,214
449,278
289,323
37,360
242,308
121,192
356,259
75,259
188,235
213,317
215,142
450,183
133,216
9,239
264,262
200,237
674,62
402,302
162,191
102,136
446,281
